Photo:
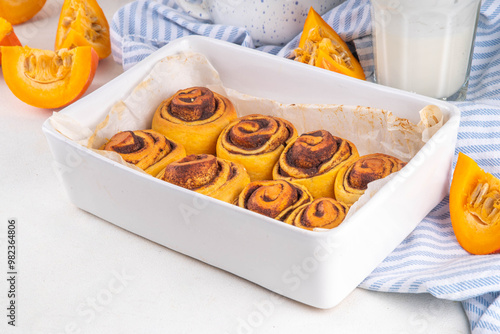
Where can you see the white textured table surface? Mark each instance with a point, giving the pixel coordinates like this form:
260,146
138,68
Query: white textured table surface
80,274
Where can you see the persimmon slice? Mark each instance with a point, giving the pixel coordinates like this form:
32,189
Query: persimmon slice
19,11
321,46
83,23
475,207
48,79
7,35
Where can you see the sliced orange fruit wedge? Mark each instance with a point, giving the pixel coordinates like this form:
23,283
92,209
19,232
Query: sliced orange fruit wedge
321,46
19,11
7,35
83,23
48,79
475,207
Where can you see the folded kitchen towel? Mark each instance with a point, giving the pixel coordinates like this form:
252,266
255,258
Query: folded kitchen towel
141,27
429,260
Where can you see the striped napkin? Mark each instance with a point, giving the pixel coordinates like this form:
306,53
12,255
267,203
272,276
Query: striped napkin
430,260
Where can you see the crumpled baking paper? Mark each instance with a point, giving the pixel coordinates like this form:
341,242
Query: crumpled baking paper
371,130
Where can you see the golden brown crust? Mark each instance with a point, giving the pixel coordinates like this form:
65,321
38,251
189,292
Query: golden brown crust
194,117
310,151
273,198
352,180
147,149
323,212
193,171
256,141
313,160
208,175
193,104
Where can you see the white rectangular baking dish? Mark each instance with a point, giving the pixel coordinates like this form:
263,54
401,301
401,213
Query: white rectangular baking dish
315,268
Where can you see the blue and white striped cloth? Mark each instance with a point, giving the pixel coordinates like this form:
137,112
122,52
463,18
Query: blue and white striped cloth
430,259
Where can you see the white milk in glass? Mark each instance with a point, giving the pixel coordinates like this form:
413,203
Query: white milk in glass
424,46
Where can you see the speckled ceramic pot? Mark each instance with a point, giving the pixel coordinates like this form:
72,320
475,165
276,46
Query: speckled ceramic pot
273,22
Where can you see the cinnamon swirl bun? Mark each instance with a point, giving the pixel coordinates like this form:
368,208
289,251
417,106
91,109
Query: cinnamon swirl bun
208,175
256,141
323,212
273,198
353,178
194,117
313,160
147,149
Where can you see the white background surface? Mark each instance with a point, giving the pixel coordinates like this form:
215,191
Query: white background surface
80,274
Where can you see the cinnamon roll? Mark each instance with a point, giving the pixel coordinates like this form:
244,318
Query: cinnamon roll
313,160
273,198
323,212
256,141
147,149
194,117
208,175
352,180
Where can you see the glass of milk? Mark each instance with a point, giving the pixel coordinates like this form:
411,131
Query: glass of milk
425,46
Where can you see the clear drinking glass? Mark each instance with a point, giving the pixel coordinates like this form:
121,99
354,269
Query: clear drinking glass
425,46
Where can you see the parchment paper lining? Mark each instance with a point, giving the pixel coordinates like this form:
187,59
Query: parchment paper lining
371,130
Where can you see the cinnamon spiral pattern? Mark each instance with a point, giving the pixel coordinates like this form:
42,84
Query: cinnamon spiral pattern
273,198
194,117
256,141
207,175
323,212
313,160
352,180
147,149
